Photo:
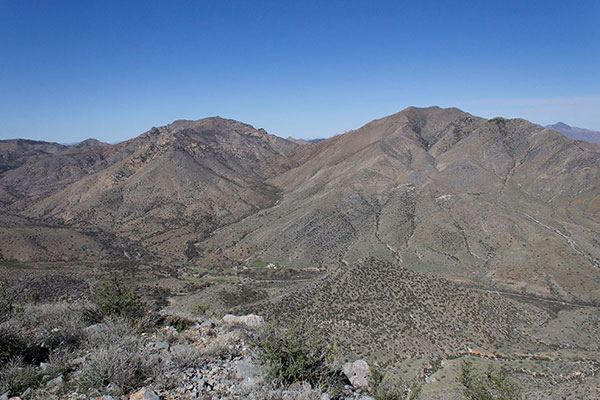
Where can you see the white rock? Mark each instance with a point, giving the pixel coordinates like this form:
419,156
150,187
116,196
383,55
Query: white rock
358,374
55,382
250,320
144,394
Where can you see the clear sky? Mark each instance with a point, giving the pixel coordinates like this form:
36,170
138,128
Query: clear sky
70,70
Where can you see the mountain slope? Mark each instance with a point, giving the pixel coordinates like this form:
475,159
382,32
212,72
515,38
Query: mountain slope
181,181
501,203
166,187
576,133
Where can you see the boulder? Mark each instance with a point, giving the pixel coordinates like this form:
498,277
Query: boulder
358,373
96,328
250,320
247,372
144,394
161,345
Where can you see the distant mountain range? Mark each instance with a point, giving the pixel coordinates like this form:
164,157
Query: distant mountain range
576,133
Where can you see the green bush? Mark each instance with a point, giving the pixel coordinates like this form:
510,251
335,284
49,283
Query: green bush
177,322
201,309
385,388
6,305
11,345
490,386
294,354
113,298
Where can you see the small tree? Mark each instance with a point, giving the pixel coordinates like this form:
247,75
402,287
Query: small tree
113,298
491,386
297,353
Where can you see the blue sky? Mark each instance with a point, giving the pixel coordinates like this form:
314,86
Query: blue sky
114,69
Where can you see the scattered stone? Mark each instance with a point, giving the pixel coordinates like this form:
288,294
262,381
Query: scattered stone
161,346
208,324
4,396
78,360
58,381
358,373
144,394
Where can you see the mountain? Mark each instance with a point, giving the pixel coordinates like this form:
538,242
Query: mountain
166,187
416,241
89,143
576,133
495,203
502,204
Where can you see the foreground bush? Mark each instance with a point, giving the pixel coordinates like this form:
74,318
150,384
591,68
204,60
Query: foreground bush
295,354
16,376
117,356
490,386
6,304
115,299
53,325
11,345
385,388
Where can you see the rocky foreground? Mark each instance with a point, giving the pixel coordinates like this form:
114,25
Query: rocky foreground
210,359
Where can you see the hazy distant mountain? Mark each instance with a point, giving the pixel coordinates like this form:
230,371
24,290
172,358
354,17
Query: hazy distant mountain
304,141
576,133
90,142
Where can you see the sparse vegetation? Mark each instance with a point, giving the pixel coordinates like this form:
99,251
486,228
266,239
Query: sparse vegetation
386,388
118,356
201,308
490,386
177,322
115,299
6,304
16,376
296,354
186,356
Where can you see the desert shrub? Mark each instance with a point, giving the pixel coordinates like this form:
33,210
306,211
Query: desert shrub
386,388
6,303
186,356
11,344
117,355
294,354
201,309
178,322
52,325
490,386
113,298
16,376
